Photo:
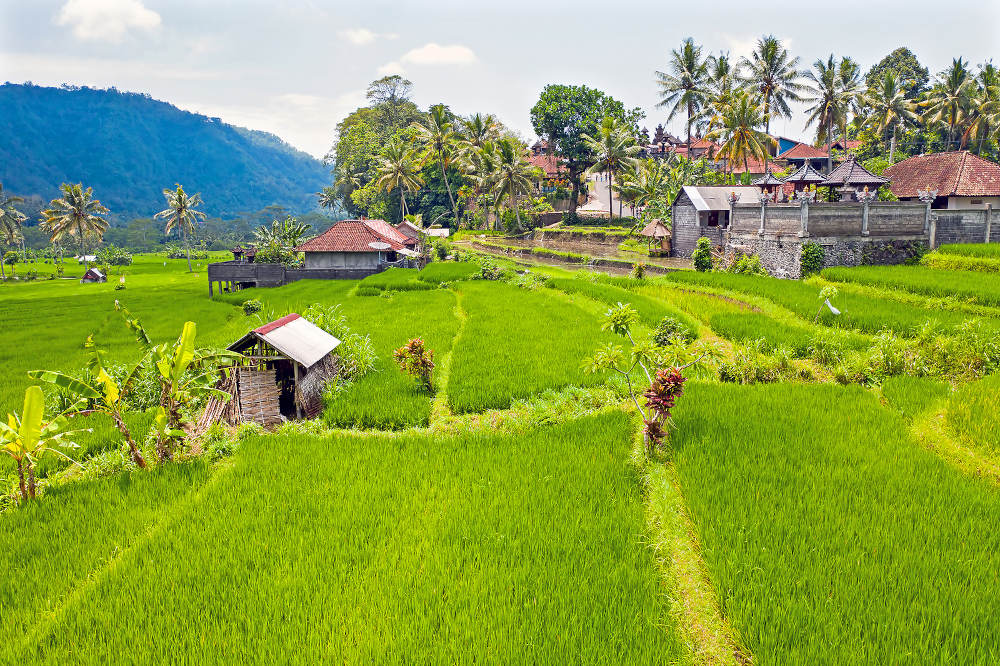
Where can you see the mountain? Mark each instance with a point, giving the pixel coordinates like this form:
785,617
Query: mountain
128,147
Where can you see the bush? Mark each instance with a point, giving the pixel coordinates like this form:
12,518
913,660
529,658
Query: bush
747,265
670,329
252,307
813,258
702,255
638,271
10,257
110,255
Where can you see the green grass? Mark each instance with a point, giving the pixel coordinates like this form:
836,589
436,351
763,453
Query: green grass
830,536
749,326
361,549
517,343
912,396
959,262
396,279
54,546
448,271
982,288
865,313
650,310
991,250
973,415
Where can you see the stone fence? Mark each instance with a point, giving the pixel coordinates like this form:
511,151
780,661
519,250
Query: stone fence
233,275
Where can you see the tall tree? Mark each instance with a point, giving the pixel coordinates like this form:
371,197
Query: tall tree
851,89
438,136
75,213
682,88
773,73
741,137
985,116
829,105
614,149
911,76
11,220
399,168
478,129
722,83
513,177
181,213
563,114
949,100
889,108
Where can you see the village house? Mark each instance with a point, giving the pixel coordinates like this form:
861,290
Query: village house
357,244
703,210
803,154
961,180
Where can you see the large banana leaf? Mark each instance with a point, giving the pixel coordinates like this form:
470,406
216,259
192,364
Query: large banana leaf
31,417
66,382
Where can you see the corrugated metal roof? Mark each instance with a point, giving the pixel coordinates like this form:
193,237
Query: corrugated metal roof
297,338
716,197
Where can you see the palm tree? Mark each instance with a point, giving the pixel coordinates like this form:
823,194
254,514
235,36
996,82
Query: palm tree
481,165
398,167
180,214
613,149
829,104
479,129
328,197
985,107
851,89
438,136
286,234
722,83
75,213
684,87
11,220
741,138
774,75
948,101
889,108
513,176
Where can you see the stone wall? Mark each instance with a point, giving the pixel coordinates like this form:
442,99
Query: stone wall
964,226
685,229
896,218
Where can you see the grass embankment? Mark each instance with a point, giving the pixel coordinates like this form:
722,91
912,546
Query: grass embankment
387,549
517,343
650,310
865,313
912,396
797,338
448,271
830,536
979,288
393,279
973,416
988,250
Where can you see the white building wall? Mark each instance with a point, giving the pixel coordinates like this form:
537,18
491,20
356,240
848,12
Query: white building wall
341,259
965,203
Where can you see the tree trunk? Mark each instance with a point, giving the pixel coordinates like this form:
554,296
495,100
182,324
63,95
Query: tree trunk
133,449
20,479
575,197
83,243
187,247
444,175
829,146
892,145
31,479
402,204
517,215
611,206
690,113
3,276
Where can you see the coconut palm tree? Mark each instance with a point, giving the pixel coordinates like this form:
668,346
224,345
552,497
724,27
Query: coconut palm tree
75,213
513,176
774,75
398,168
739,133
852,89
683,88
889,108
437,133
478,129
613,149
985,116
11,220
181,214
949,100
481,165
829,105
722,82
328,197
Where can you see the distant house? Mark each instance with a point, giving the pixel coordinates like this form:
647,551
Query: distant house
801,154
93,275
781,144
552,167
364,244
704,211
414,232
86,258
962,180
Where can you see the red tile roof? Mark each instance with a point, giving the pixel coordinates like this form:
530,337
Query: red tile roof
277,323
549,164
951,174
356,236
752,166
801,151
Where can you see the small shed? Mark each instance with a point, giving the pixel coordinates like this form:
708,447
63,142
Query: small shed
288,363
656,231
93,275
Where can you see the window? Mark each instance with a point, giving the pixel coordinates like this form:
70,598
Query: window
713,218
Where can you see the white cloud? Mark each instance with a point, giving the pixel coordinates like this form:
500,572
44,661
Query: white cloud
106,20
362,36
390,68
436,54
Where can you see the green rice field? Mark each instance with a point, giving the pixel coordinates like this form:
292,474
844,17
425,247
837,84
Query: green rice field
978,287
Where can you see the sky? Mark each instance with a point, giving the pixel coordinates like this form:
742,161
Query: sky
297,67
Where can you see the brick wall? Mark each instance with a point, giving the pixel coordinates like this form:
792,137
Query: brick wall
685,228
963,226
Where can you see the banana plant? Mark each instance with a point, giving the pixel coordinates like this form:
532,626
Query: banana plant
108,397
28,436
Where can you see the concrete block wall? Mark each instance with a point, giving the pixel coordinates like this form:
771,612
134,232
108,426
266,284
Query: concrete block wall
685,229
896,218
963,226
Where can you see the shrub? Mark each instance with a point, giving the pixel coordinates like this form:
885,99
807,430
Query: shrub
356,352
417,362
812,258
10,257
702,255
110,255
638,271
252,307
747,265
670,329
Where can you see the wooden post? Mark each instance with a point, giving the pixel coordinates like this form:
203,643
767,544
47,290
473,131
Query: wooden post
210,288
295,396
989,221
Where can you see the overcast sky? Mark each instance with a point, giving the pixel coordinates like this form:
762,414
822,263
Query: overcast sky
296,67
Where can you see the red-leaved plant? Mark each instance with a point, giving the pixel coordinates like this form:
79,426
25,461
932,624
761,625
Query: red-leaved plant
662,394
416,361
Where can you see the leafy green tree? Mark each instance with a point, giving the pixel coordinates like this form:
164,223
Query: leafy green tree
328,197
774,74
985,113
702,255
11,221
399,169
614,148
889,109
739,133
910,74
563,114
75,213
683,86
182,214
949,100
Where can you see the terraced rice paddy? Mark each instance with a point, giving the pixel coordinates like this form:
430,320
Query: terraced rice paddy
973,415
980,288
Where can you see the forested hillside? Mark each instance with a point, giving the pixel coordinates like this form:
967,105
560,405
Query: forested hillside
128,147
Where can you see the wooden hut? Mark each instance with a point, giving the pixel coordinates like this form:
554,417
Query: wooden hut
287,364
657,232
93,275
